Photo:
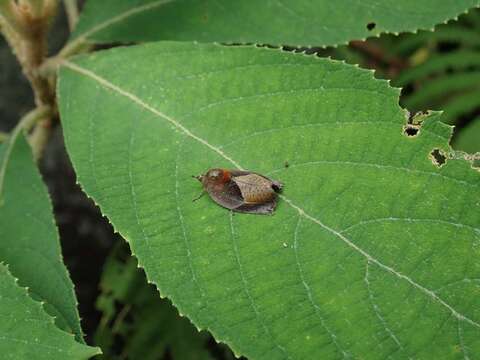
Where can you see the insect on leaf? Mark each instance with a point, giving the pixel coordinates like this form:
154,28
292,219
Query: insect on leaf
374,248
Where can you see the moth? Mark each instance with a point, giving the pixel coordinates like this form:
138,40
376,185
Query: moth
241,191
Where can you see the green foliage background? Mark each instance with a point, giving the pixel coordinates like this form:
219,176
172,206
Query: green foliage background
436,70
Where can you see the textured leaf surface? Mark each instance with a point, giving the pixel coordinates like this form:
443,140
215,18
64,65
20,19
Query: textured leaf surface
27,332
292,22
373,251
28,235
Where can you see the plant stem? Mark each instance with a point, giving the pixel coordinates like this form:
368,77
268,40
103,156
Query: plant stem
71,9
36,6
120,318
34,49
9,15
29,120
74,47
25,26
3,136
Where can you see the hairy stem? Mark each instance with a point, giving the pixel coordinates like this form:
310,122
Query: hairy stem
40,135
35,6
25,25
71,9
3,136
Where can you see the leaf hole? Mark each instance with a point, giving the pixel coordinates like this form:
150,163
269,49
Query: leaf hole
371,26
411,130
438,157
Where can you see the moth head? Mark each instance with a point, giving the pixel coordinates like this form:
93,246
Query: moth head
216,176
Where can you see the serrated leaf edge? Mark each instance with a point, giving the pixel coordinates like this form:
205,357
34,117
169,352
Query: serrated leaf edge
84,37
104,82
41,305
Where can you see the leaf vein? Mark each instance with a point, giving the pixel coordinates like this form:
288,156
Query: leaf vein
116,19
290,92
376,309
184,231
133,193
462,342
321,124
412,220
247,292
379,166
316,307
144,105
302,126
384,267
26,342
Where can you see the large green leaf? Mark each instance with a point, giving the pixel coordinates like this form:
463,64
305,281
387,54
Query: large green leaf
28,235
374,250
27,332
294,22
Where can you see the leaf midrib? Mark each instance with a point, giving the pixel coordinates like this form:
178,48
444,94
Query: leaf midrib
370,259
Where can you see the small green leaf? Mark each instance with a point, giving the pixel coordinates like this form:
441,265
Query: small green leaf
28,235
292,22
374,250
467,103
467,138
27,332
438,65
448,33
433,93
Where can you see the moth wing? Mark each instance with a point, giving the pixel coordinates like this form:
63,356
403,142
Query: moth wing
276,185
263,209
255,189
235,173
229,196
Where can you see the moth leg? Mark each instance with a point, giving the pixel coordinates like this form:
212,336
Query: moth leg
199,196
263,208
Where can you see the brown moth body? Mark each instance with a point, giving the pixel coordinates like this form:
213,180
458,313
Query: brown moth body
241,191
